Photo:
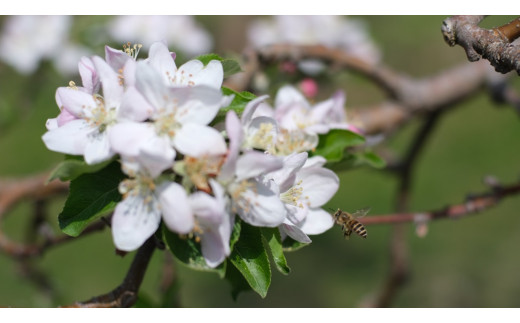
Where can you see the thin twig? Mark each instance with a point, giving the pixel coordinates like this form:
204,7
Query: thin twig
472,205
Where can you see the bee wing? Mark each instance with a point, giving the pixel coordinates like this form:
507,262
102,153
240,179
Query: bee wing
361,212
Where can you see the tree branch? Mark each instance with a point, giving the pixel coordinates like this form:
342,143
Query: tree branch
125,295
472,205
493,45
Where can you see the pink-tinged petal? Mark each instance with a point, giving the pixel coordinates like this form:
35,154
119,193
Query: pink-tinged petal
98,148
288,96
286,175
127,138
254,163
116,58
294,232
150,84
261,205
134,222
215,243
319,185
250,109
89,76
197,104
197,141
112,89
156,155
65,116
236,134
206,208
195,73
296,214
177,213
317,222
161,60
134,107
77,102
70,139
129,71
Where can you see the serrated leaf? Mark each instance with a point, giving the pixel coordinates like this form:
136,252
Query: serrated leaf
333,144
290,244
90,197
230,66
189,253
73,166
250,258
274,240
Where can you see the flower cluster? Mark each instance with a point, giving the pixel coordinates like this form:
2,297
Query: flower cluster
157,118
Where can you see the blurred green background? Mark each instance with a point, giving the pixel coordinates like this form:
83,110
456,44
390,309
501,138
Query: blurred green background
471,262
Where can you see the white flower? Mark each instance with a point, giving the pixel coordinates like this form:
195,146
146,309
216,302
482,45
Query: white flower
182,32
26,40
89,117
213,223
305,186
331,31
145,202
253,198
178,119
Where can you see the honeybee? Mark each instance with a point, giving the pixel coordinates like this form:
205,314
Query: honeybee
349,223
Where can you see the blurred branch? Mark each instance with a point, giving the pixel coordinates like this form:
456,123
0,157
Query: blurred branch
125,295
399,262
493,44
472,205
407,96
13,191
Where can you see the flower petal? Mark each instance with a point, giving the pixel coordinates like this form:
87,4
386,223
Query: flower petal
285,176
195,73
254,163
89,76
235,134
134,107
196,104
177,213
98,148
134,222
78,103
160,58
319,184
197,140
71,138
250,109
317,222
215,243
261,205
286,97
294,232
112,89
116,58
156,155
126,138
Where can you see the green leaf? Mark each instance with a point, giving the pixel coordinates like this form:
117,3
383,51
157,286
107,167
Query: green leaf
238,282
274,240
370,158
290,244
74,166
230,66
91,196
332,145
250,258
238,104
189,253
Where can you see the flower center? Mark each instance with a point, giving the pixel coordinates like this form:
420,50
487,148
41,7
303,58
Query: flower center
293,196
263,138
167,123
288,142
239,192
142,186
100,116
132,50
200,169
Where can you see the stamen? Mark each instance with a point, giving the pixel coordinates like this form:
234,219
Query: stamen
132,50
